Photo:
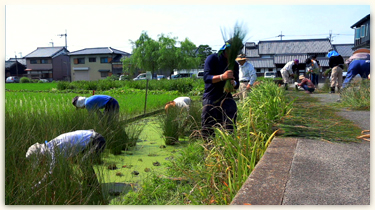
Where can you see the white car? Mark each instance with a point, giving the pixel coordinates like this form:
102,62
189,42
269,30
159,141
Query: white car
12,79
270,74
140,77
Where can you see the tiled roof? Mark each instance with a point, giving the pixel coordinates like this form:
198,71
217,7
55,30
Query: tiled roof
98,50
44,52
345,50
294,46
8,64
282,59
262,62
20,60
252,53
323,61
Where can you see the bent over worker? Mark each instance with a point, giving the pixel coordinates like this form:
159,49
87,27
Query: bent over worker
97,102
86,142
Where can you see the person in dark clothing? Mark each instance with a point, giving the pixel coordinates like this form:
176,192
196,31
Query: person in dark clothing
336,62
314,77
96,102
219,107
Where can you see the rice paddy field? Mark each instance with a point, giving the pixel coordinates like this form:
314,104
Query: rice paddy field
139,166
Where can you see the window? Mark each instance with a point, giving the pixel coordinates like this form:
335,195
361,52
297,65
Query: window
33,61
363,27
357,33
44,61
80,60
103,60
92,59
104,74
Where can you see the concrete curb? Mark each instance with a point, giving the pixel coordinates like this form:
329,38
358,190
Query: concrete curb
266,184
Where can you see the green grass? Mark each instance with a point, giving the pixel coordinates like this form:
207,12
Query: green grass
30,86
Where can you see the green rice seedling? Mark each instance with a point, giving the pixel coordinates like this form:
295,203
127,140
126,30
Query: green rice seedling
357,95
171,124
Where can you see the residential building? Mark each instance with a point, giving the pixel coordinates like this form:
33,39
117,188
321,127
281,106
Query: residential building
273,55
50,63
96,63
362,33
15,67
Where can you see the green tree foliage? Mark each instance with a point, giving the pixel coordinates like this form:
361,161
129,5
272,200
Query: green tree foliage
203,52
164,53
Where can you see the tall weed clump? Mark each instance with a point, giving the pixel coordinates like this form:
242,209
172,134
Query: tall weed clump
29,120
357,94
268,103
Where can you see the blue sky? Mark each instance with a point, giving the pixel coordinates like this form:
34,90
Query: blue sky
30,26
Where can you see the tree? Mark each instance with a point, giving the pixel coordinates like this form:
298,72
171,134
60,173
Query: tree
151,55
203,52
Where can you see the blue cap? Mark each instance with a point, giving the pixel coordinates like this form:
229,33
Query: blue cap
225,46
332,53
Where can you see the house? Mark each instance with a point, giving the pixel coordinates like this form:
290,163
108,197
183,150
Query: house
96,63
50,63
362,33
15,67
273,55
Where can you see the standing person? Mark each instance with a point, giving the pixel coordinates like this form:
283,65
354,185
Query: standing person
336,62
287,71
219,106
96,102
358,63
306,84
68,145
247,75
314,69
180,102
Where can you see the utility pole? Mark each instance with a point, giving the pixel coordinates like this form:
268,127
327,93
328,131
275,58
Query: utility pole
281,36
51,42
61,35
16,64
330,37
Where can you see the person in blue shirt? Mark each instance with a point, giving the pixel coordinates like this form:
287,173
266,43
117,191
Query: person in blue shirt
96,102
69,145
358,63
219,107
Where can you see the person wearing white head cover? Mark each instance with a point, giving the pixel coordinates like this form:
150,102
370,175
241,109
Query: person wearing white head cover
96,102
67,145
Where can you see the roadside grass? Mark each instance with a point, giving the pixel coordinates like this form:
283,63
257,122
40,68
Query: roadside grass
309,119
357,95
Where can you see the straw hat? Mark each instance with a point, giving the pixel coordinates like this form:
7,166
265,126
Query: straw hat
362,50
241,57
301,77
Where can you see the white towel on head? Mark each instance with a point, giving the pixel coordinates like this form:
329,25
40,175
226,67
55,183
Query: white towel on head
80,102
36,148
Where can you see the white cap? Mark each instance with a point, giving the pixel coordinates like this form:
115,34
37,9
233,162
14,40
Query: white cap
80,102
36,148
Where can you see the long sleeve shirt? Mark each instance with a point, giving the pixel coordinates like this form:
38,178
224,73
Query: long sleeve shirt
247,73
335,61
313,67
182,102
215,65
288,67
307,82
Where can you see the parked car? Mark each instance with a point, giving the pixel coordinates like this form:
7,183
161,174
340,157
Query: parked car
182,75
12,79
270,74
200,74
140,77
159,77
124,77
43,80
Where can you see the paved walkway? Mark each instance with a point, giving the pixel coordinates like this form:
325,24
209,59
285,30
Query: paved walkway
298,171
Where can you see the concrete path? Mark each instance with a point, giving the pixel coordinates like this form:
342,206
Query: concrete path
298,171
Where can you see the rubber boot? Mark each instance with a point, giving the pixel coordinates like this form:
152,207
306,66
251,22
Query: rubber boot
332,90
286,86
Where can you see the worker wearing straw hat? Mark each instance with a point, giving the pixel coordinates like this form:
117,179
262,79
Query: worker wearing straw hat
306,84
247,75
358,63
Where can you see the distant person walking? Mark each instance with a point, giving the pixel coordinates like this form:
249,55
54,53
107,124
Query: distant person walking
94,103
358,63
247,75
287,71
336,62
314,69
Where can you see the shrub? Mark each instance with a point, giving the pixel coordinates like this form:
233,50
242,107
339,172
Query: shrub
25,80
